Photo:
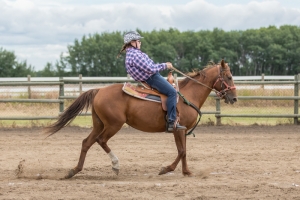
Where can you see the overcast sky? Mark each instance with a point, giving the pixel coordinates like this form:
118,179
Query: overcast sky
39,31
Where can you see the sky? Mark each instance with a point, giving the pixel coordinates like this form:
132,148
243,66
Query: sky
38,31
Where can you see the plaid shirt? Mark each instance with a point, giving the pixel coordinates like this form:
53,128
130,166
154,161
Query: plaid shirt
140,66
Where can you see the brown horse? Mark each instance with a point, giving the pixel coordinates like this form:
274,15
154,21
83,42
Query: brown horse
111,108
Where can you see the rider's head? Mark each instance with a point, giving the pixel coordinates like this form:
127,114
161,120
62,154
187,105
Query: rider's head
133,38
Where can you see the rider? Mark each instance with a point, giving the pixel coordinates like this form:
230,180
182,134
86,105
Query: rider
142,68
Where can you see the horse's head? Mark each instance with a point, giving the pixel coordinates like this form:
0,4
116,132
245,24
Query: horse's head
224,84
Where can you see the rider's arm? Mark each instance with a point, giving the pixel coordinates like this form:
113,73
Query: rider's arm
147,65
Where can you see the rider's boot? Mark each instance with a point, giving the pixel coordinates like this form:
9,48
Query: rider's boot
178,126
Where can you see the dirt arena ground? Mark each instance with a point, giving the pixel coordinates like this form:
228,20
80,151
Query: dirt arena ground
228,162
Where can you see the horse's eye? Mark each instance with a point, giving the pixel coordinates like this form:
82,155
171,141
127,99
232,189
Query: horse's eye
229,77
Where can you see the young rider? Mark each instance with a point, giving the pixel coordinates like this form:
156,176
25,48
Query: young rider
141,68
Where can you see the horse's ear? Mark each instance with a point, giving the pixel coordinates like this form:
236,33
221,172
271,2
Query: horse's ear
223,63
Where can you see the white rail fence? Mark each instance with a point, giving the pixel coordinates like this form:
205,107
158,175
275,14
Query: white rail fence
71,87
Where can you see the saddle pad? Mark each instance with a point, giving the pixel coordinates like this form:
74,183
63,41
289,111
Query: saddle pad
131,90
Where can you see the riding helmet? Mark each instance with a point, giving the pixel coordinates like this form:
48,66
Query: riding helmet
131,35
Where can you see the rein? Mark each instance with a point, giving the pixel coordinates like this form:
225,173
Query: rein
220,94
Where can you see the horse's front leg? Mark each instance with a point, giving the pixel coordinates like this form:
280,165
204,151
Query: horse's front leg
180,141
185,169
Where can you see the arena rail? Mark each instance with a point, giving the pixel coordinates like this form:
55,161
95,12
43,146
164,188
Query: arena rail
217,112
22,83
296,99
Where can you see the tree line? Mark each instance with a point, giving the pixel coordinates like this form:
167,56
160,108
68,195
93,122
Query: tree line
270,50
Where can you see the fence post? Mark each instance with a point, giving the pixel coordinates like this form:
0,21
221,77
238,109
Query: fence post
80,84
61,93
263,79
218,109
296,101
29,88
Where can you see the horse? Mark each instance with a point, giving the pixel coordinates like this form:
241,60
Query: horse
111,108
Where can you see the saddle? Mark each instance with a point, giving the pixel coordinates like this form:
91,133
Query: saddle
145,92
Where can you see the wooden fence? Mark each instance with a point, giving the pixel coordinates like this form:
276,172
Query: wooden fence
217,112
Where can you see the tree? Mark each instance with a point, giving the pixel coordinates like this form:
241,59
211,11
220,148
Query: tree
48,71
9,67
269,50
95,55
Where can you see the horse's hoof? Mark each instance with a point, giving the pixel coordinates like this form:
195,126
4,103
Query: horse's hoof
163,170
70,174
116,171
188,174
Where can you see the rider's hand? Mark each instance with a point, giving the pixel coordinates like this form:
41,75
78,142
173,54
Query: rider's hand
169,65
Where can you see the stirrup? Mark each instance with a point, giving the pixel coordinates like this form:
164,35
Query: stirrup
178,127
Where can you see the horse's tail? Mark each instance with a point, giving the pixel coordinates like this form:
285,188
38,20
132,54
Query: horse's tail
84,101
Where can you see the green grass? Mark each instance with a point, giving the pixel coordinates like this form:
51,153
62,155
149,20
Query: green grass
241,107
82,121
261,108
23,123
206,119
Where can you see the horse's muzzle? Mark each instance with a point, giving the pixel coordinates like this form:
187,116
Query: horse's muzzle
230,100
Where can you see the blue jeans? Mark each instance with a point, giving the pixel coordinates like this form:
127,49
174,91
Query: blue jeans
163,86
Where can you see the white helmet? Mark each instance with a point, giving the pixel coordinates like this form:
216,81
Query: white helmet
131,35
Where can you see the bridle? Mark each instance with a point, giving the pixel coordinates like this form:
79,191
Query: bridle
223,92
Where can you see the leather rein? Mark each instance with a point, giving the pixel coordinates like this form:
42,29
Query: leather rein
221,94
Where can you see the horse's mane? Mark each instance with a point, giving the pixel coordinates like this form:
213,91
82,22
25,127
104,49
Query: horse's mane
194,74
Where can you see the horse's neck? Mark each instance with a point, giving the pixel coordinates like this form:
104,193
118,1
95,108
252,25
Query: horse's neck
196,92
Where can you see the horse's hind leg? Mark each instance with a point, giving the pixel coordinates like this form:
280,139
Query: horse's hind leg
180,141
86,144
102,141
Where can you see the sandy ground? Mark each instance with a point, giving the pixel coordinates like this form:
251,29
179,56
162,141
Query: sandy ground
228,162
